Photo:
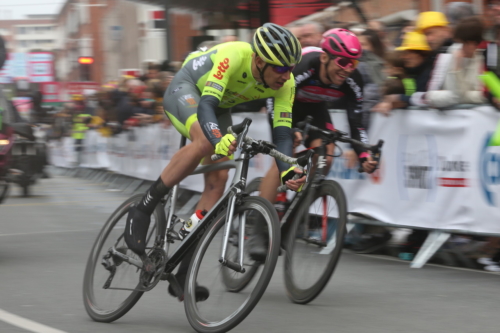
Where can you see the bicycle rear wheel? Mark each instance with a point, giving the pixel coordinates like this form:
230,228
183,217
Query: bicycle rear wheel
107,305
235,281
223,310
314,242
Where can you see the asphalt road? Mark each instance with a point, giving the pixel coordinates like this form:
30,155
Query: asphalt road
45,241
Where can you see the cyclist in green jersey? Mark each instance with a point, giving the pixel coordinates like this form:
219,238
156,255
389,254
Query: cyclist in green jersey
198,103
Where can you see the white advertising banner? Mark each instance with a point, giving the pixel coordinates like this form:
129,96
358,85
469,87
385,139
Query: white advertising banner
62,153
437,171
143,152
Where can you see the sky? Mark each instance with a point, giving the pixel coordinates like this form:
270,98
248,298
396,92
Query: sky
18,9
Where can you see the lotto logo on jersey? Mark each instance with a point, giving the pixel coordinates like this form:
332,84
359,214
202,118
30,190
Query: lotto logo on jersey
222,68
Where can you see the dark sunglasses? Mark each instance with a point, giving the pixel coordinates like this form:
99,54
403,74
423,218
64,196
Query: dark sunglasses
282,69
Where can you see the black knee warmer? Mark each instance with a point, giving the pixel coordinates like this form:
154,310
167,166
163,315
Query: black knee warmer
153,196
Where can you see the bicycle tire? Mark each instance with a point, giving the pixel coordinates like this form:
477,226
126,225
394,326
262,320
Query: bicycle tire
305,295
202,325
93,310
232,283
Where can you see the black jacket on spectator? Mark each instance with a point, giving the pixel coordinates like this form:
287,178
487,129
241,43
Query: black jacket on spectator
422,74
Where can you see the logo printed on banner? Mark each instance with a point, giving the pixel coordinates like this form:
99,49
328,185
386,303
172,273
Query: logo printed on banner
456,165
417,165
223,66
489,170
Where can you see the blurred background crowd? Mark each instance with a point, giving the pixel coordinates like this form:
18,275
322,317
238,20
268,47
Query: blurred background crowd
429,52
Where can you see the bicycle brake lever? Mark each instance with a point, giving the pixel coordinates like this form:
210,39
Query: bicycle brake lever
376,155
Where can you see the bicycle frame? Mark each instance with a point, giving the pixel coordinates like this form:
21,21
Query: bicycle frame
227,201
319,176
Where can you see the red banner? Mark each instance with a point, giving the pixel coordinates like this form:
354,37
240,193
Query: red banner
77,88
283,12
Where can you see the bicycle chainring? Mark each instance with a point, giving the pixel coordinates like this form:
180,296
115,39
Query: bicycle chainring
149,280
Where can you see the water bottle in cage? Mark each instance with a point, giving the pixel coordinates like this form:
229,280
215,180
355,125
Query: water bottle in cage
191,223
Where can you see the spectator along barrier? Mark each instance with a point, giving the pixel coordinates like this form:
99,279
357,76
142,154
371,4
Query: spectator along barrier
437,170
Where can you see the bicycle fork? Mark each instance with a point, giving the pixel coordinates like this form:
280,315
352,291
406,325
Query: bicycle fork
238,267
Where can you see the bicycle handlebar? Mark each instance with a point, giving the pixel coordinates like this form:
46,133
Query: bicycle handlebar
337,135
264,147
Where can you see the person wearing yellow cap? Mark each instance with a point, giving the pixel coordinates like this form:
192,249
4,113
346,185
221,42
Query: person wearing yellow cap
415,53
434,26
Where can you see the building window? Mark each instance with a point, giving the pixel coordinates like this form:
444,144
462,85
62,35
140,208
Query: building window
21,30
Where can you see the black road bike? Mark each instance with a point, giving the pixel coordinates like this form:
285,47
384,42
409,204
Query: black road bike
314,225
115,278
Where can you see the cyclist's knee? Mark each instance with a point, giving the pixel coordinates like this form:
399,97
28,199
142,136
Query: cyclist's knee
216,180
204,147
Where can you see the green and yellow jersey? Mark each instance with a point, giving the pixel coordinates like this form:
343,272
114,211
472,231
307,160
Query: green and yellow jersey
225,72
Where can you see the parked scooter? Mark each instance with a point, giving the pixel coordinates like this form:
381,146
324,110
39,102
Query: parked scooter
28,158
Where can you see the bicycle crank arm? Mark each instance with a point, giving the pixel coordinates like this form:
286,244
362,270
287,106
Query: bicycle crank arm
124,257
234,266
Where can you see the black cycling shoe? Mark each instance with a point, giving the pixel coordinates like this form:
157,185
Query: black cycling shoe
258,240
201,292
258,249
136,230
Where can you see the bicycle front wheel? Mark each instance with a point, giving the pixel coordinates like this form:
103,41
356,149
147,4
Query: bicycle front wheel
223,310
314,242
109,304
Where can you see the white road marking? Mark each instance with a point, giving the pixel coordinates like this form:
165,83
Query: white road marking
26,324
47,232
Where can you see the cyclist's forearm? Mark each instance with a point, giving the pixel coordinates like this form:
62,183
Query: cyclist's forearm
208,119
284,144
358,133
